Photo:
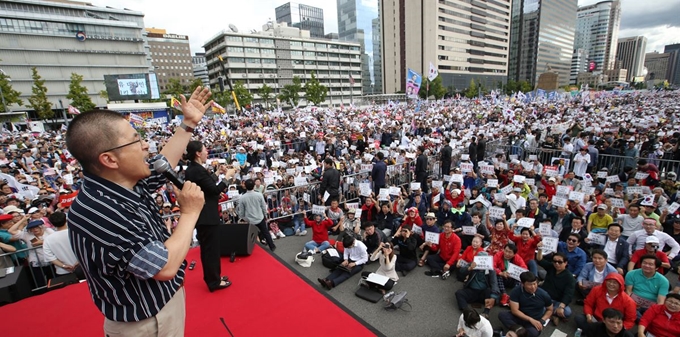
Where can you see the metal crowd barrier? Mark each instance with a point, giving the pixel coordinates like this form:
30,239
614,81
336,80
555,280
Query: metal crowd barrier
40,271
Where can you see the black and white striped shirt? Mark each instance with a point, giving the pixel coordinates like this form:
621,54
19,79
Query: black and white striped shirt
118,235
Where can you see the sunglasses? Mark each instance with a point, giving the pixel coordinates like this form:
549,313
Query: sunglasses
558,261
572,240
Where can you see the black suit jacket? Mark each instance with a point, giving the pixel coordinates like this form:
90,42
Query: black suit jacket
583,233
622,254
210,214
330,182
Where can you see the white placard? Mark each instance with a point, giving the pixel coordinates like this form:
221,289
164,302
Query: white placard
290,171
617,203
326,195
366,167
432,237
613,179
357,213
350,180
365,191
305,197
545,229
559,201
415,186
446,177
519,179
467,167
469,230
673,207
317,209
596,239
457,178
563,190
641,175
352,205
514,271
500,197
483,262
602,174
384,194
223,207
496,212
525,222
300,181
634,190
577,196
395,190
492,183
68,179
530,182
506,189
549,245
436,198
437,183
533,157
417,230
486,169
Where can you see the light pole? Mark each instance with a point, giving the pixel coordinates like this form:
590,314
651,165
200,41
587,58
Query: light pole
1,94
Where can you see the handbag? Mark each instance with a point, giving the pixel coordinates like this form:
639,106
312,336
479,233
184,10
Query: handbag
304,259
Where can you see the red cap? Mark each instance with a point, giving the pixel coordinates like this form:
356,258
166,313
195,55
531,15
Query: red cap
5,217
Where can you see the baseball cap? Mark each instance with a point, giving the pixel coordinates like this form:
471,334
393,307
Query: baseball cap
352,211
430,216
552,179
12,209
517,189
6,217
601,206
35,223
167,204
33,210
175,209
652,239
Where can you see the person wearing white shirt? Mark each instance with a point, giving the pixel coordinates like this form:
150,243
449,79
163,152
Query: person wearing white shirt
568,148
57,248
355,257
385,255
471,324
34,236
631,222
581,161
638,239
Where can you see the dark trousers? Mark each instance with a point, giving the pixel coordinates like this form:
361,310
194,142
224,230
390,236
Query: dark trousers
209,240
404,264
446,168
508,320
436,263
376,188
338,276
264,233
387,287
468,295
42,274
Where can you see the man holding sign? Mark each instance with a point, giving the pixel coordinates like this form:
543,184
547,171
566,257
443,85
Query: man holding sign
449,250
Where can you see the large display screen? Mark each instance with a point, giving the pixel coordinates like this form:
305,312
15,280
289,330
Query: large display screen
127,87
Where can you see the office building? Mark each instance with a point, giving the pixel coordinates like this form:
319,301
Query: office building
465,42
542,39
64,37
630,55
674,67
200,68
170,57
357,20
303,17
597,31
274,56
579,64
658,66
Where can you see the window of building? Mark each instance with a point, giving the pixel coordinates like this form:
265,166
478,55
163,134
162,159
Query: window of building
236,60
268,61
308,44
252,51
234,38
251,39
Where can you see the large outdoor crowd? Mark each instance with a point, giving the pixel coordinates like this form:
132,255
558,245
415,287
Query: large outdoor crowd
538,206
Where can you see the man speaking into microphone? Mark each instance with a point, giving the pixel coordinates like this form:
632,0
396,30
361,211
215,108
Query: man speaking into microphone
133,265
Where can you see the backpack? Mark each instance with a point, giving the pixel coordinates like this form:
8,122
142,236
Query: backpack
329,261
304,259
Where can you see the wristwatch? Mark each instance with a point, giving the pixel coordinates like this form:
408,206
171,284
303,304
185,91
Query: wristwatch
186,128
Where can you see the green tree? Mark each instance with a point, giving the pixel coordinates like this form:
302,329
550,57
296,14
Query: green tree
38,101
197,82
265,93
437,89
175,88
510,87
471,91
10,95
77,93
291,92
524,86
222,98
315,92
104,94
242,94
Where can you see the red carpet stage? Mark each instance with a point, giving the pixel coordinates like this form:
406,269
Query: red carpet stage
265,299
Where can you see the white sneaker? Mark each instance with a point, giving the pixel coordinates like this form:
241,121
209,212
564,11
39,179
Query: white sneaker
297,232
281,235
273,235
304,232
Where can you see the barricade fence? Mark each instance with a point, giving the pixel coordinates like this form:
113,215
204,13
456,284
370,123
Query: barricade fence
40,271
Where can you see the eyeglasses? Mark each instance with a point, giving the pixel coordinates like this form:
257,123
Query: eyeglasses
558,261
139,140
653,246
572,240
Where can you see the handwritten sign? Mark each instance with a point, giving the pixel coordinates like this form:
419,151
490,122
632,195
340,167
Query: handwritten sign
596,239
457,178
352,205
634,190
519,179
549,245
506,189
415,186
432,237
317,209
437,184
492,183
395,190
483,262
469,230
545,229
384,194
576,196
559,201
564,190
357,213
613,179
525,222
467,167
514,271
641,175
530,182
496,212
602,174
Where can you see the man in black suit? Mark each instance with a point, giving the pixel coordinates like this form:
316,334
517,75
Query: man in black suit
330,182
445,157
616,248
421,169
206,226
378,173
576,227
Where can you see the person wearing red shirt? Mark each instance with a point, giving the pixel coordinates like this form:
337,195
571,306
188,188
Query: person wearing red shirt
612,289
550,187
455,196
449,251
526,247
501,261
320,229
468,256
651,248
662,320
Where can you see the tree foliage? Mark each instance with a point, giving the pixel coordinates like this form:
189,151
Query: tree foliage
265,93
242,94
175,88
437,89
38,100
472,91
291,92
513,87
197,82
10,95
77,93
315,92
104,94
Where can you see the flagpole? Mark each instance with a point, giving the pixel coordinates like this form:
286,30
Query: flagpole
63,112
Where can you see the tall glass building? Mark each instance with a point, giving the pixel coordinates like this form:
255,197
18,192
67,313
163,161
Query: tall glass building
597,31
542,39
303,17
359,21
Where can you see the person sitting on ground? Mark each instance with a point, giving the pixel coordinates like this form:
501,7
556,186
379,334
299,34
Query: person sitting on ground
430,226
387,259
351,226
407,244
501,261
598,221
611,325
662,320
372,237
354,258
385,219
651,248
616,248
481,231
645,285
480,286
444,213
526,247
576,256
530,306
320,229
559,283
499,235
610,294
449,250
594,273
471,324
468,256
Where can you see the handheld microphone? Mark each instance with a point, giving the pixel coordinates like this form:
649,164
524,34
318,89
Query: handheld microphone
162,166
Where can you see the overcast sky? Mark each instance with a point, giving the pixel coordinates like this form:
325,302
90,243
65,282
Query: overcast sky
658,20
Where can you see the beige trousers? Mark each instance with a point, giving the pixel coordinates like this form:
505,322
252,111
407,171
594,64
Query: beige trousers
169,322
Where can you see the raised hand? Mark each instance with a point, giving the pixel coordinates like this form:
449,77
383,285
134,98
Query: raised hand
195,107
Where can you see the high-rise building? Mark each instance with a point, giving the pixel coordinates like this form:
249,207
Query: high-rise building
356,23
658,66
464,42
630,55
597,31
200,68
170,57
579,64
674,68
64,37
274,56
303,17
542,39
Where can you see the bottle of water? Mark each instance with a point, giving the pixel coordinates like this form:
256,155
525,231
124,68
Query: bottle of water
578,333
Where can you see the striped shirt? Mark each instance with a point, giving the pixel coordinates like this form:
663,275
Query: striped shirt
117,235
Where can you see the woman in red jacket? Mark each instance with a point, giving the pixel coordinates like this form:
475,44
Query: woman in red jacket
468,256
597,300
662,320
